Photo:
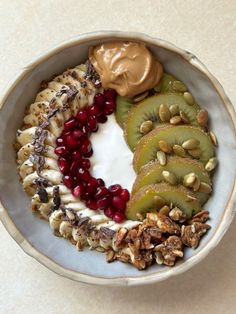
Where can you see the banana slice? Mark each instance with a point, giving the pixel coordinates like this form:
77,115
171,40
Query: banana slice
46,95
24,152
44,209
49,152
36,200
77,206
62,98
62,188
98,219
26,136
26,168
53,176
27,149
81,98
39,107
37,113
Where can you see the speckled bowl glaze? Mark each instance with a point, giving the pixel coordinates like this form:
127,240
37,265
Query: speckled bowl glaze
35,236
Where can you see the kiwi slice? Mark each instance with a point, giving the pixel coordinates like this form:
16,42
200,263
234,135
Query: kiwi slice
143,201
148,110
152,173
149,145
123,105
165,84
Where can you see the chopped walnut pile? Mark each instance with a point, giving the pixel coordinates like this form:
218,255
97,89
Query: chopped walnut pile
169,251
159,239
191,234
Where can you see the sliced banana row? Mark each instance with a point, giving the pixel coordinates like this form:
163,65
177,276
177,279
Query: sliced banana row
36,114
77,234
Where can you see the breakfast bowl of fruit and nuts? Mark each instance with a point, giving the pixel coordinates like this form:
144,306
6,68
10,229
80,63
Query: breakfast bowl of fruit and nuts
117,161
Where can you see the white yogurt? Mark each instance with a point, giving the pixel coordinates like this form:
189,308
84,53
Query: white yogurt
112,159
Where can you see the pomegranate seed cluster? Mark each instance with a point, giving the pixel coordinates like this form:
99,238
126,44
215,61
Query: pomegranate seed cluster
74,149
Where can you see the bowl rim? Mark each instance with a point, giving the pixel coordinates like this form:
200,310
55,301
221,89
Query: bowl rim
229,210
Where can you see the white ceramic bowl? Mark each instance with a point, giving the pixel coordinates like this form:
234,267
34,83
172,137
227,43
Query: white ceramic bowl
35,236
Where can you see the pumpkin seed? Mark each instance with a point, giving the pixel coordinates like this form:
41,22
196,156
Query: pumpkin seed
169,177
164,113
196,184
165,147
184,117
191,198
174,110
100,249
140,217
202,117
205,188
161,157
195,153
146,127
189,179
192,143
140,97
213,138
164,210
189,98
175,120
158,201
179,87
179,151
211,164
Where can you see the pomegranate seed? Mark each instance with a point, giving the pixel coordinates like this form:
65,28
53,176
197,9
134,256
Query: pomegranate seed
77,134
86,130
109,212
94,110
74,166
64,134
89,154
99,99
109,107
92,124
86,146
64,166
78,191
76,155
60,151
85,163
83,174
110,94
118,217
118,203
101,192
60,141
103,202
102,119
69,182
115,189
92,204
82,116
91,185
125,195
71,142
87,196
70,124
100,182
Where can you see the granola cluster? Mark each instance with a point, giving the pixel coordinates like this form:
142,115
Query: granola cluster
158,239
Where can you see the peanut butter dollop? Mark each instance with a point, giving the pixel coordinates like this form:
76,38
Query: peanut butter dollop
127,67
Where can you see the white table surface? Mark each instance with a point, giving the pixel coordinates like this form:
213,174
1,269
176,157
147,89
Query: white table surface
205,27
